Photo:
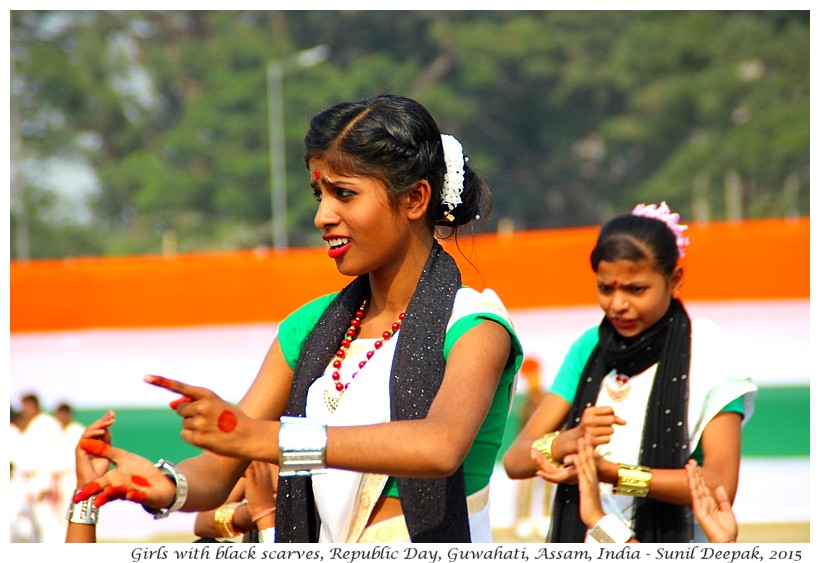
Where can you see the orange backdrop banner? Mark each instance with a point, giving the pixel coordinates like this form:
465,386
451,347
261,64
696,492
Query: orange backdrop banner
748,260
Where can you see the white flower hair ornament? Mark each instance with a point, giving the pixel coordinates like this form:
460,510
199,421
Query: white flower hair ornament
663,213
453,176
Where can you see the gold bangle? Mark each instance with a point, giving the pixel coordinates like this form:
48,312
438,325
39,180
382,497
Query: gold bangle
633,480
544,445
223,520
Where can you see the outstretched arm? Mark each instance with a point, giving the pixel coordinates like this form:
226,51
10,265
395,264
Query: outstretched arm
434,446
208,422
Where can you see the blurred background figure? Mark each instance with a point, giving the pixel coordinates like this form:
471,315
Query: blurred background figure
534,496
36,464
22,526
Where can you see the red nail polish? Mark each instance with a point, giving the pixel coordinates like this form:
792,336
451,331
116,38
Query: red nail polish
174,404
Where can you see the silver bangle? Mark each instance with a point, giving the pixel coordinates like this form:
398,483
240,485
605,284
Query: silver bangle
170,471
610,529
302,446
83,512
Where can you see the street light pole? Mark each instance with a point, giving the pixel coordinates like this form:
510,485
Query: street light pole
276,134
277,156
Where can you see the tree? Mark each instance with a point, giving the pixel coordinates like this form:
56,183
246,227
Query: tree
571,116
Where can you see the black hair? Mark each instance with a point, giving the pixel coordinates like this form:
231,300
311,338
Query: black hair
32,398
396,140
634,237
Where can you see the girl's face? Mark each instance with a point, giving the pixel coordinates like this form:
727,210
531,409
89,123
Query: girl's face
363,232
635,295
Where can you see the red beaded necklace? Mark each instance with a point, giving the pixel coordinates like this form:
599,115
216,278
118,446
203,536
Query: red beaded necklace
351,334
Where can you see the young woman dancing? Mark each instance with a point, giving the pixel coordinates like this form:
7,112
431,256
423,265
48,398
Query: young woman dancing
650,386
385,404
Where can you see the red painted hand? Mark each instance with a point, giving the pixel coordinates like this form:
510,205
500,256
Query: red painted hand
208,422
134,478
88,466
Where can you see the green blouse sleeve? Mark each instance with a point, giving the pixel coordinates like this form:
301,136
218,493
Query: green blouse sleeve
294,330
461,326
568,377
734,406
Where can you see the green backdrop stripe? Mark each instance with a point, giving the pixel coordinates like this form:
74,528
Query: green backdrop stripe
780,423
779,427
150,432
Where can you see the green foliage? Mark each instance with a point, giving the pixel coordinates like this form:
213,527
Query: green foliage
570,115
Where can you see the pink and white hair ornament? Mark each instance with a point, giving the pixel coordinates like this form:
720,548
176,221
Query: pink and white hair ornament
453,176
663,213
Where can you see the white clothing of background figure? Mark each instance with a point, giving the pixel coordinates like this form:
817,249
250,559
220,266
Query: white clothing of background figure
39,443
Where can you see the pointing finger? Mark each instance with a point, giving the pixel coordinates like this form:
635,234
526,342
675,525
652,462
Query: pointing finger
190,391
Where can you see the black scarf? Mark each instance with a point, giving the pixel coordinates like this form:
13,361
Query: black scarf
665,442
435,510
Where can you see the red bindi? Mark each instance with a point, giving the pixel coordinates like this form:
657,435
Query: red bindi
139,481
316,174
226,421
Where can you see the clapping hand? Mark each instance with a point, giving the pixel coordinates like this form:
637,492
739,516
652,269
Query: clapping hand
714,513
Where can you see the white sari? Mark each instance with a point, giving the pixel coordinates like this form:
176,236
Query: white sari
345,499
